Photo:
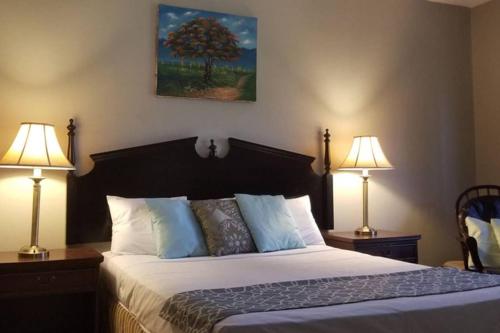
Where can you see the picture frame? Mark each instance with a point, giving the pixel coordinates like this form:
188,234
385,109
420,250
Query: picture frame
204,54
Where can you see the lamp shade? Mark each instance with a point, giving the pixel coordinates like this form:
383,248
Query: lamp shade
366,154
36,146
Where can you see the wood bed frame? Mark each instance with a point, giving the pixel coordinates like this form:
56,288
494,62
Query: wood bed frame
173,168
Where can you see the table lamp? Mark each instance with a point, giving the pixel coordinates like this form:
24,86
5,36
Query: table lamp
365,154
35,147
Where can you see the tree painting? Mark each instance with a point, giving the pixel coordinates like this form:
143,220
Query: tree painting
206,55
204,38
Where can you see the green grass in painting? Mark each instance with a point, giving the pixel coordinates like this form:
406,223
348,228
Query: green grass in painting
248,92
187,80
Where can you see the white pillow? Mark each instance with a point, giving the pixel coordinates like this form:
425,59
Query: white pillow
487,243
132,232
301,212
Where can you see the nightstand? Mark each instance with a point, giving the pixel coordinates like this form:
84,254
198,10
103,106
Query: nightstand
394,245
57,294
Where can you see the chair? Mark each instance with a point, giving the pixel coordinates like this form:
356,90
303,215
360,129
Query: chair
482,202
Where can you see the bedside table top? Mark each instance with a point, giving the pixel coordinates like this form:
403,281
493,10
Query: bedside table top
382,236
59,259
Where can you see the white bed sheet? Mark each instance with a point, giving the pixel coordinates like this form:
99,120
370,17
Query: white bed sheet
142,284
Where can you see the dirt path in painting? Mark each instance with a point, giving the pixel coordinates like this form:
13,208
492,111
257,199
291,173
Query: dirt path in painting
227,93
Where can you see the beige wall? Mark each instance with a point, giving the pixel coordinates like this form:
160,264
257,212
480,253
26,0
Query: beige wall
399,69
486,74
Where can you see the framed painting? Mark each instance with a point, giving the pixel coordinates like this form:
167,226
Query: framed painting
202,54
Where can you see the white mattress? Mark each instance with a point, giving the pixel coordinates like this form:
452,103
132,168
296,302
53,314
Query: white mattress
143,283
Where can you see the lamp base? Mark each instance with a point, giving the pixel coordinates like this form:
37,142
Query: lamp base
33,251
365,231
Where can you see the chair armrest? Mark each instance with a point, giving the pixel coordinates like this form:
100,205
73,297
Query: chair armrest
473,252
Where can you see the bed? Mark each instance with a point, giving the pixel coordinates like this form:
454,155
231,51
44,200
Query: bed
137,287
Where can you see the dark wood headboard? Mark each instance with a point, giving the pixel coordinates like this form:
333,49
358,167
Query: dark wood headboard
174,168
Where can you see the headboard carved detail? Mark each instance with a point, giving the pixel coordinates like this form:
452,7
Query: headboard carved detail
71,141
212,149
174,168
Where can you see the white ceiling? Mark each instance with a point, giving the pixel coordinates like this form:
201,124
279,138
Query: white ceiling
465,3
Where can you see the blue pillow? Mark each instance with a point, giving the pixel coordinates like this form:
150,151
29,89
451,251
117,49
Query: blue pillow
176,231
270,222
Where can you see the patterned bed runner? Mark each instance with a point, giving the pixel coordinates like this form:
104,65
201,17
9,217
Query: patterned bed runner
198,311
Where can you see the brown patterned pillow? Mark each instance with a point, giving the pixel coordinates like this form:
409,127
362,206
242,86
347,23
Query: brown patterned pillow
224,228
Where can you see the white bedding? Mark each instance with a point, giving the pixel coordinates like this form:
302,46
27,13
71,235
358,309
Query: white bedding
142,283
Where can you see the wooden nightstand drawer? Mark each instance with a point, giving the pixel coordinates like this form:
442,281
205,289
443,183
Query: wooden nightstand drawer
391,250
386,244
82,280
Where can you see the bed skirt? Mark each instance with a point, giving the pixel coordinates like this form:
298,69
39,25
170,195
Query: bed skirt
115,318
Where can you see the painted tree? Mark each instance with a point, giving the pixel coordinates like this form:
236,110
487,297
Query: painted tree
204,38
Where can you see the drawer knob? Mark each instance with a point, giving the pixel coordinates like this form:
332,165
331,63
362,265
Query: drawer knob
45,279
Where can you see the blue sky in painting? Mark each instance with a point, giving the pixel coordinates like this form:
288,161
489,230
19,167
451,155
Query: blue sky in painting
245,28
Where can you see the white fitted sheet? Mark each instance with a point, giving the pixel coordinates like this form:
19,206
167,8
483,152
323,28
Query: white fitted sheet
142,284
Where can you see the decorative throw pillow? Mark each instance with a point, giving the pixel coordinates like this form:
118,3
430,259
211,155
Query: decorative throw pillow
270,222
224,228
131,230
487,244
176,230
308,228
